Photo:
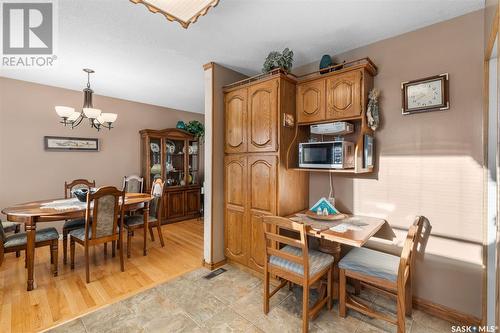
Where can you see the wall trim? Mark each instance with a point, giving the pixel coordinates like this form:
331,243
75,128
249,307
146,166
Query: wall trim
445,313
212,266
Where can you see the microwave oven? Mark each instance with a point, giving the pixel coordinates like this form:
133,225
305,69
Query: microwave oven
326,155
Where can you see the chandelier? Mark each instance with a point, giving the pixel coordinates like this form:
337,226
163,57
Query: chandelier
183,11
97,119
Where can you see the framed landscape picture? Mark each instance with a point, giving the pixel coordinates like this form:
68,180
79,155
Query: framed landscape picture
57,143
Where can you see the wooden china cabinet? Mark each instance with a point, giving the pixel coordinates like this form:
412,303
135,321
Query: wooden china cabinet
173,155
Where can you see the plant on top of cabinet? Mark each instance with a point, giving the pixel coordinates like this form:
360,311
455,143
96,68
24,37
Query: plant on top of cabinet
275,59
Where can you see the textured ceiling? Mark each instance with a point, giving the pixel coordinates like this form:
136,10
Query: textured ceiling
142,57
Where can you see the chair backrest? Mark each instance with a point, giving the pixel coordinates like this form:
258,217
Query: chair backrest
75,185
410,247
157,193
103,209
133,184
274,240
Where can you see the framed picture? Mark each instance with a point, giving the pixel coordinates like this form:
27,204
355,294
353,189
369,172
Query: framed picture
368,151
57,143
428,94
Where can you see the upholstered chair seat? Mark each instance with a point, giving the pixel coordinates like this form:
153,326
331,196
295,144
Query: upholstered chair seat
318,261
73,224
137,220
372,263
21,239
80,233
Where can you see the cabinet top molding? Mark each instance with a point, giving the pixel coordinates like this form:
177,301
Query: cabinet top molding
365,63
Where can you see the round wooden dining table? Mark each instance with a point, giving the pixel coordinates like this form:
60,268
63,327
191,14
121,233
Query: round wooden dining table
31,213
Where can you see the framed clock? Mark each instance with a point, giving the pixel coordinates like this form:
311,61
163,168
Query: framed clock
428,94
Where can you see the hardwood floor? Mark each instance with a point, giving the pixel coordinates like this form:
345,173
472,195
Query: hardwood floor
58,299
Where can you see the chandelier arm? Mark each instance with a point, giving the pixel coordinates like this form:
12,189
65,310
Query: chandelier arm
77,122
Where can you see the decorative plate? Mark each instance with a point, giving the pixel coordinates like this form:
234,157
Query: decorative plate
155,148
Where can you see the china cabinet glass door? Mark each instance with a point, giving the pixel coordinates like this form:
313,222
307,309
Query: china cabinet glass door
175,162
193,163
154,159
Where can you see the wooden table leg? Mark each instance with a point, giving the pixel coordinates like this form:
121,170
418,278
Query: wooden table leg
30,228
332,248
146,214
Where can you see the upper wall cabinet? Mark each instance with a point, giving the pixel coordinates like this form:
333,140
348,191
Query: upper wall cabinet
236,121
310,101
263,117
343,95
338,95
252,118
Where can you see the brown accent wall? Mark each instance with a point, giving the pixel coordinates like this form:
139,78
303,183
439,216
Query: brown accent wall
427,164
28,172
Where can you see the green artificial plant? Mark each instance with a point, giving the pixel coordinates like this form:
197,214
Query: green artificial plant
275,59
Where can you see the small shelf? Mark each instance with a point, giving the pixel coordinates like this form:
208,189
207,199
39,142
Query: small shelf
342,171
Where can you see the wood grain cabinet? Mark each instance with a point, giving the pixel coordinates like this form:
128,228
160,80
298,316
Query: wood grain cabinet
339,95
343,95
263,116
311,101
174,156
256,181
236,121
251,119
262,181
236,226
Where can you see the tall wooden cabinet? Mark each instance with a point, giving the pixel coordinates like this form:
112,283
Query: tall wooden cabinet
173,155
256,181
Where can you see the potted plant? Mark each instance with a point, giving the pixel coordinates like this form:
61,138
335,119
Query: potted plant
275,59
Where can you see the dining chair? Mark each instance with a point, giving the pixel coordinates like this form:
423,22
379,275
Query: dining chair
153,219
18,242
385,272
133,184
12,226
296,263
101,224
76,223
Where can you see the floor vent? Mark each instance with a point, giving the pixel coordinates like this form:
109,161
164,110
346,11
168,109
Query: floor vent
215,273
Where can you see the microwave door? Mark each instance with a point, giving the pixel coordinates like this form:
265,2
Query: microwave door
317,155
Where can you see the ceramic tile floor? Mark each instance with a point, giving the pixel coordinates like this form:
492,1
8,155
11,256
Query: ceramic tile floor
232,302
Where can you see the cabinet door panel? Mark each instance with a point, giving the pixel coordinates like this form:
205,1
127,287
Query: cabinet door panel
311,101
262,184
263,117
192,202
175,204
343,95
235,229
236,121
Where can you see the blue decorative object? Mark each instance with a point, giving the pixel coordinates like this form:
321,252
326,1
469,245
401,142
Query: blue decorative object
81,194
323,204
181,125
326,61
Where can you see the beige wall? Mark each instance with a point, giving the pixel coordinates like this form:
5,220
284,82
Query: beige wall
489,16
217,76
28,172
431,163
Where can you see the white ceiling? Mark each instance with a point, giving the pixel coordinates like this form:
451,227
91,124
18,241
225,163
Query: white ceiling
142,57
